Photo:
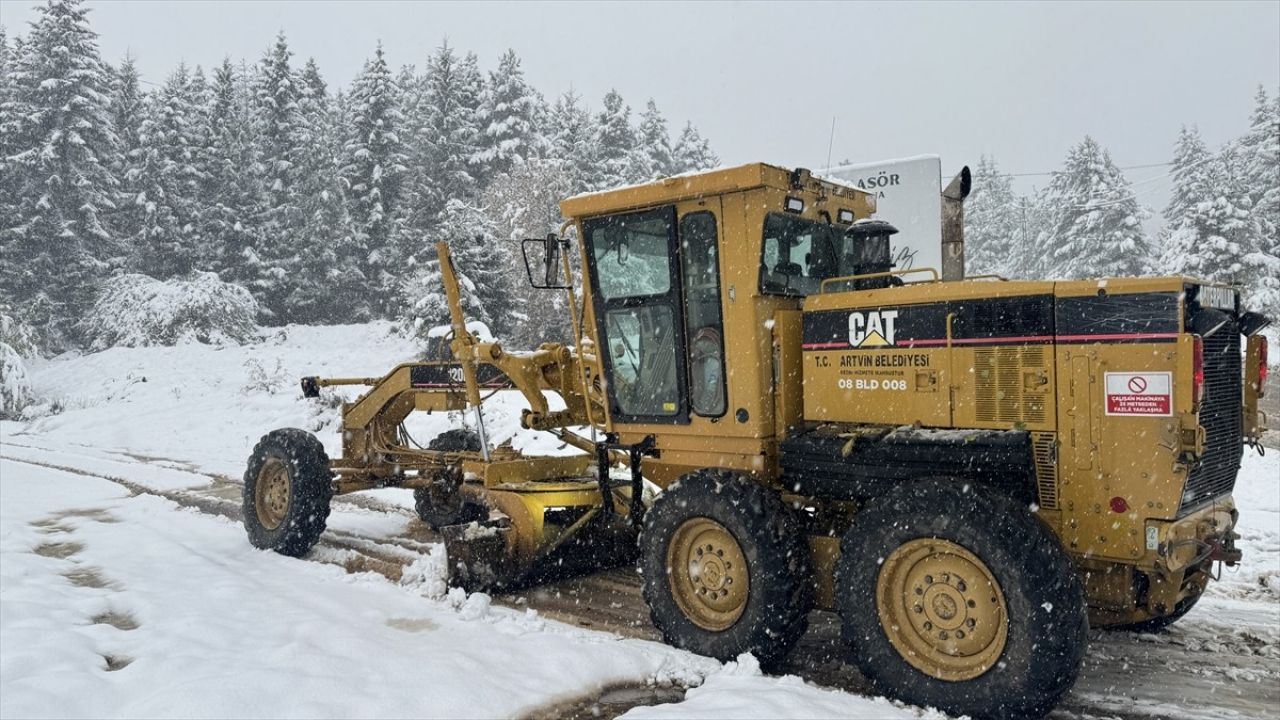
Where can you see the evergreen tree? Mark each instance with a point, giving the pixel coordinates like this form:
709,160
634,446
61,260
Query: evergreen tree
993,222
128,113
692,152
1192,183
61,147
326,226
508,117
8,199
1260,160
524,203
445,147
1215,231
170,242
471,99
573,140
279,221
615,144
654,144
1259,168
1097,223
373,170
1190,173
470,231
231,174
1035,219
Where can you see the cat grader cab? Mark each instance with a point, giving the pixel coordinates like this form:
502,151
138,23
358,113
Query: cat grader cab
970,472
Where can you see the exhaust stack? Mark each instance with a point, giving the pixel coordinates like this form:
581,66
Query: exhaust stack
953,196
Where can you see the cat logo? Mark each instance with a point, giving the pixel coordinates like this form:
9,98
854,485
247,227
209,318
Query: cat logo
872,329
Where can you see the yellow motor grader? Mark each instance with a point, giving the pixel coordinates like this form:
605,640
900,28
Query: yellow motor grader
970,472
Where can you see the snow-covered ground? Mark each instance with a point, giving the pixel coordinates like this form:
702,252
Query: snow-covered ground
127,588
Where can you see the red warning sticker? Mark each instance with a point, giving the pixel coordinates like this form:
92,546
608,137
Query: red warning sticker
1146,393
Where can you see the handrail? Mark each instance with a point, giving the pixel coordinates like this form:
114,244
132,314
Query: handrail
822,287
987,276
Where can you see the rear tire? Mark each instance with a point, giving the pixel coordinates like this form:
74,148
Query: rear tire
956,597
287,490
445,506
726,568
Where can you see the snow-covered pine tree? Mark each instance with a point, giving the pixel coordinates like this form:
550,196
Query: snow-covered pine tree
692,152
229,167
572,139
1035,223
470,231
1190,172
653,144
471,94
992,221
1260,156
615,141
1259,152
1097,226
524,203
279,139
169,182
8,198
374,165
326,224
1192,168
507,116
447,144
61,148
1216,230
128,112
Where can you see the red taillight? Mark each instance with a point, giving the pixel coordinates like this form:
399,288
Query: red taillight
1197,369
1263,369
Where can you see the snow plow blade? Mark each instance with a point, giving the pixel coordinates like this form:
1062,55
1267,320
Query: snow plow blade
494,555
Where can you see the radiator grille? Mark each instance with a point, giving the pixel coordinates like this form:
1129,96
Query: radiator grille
1220,415
1044,449
1000,384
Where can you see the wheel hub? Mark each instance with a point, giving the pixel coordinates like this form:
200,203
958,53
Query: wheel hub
942,609
709,578
271,494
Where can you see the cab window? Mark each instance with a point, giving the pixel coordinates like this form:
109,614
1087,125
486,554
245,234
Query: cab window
797,255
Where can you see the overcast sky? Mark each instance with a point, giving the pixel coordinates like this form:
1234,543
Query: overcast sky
1021,82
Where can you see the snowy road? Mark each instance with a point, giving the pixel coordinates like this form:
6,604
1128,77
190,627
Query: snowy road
99,509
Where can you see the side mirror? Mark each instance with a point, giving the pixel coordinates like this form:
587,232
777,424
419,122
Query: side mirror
547,255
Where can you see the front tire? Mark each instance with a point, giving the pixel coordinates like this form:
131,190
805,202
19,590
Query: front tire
442,504
725,567
956,597
287,490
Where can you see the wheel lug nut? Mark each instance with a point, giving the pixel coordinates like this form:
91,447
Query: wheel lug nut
928,625
971,622
960,634
919,609
972,604
942,635
928,579
961,586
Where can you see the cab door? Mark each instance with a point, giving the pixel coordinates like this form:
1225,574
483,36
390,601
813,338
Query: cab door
635,283
699,233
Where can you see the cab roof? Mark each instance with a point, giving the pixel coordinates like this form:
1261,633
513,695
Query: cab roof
695,185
